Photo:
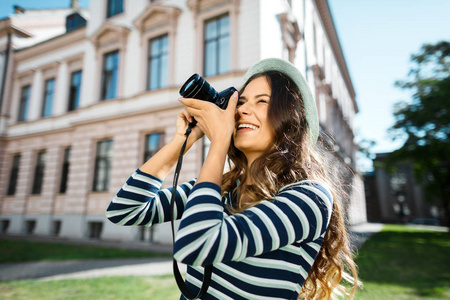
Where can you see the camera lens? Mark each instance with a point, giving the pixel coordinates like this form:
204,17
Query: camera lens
188,85
198,88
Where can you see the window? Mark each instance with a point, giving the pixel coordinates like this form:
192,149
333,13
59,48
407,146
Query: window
217,46
95,229
48,98
102,165
24,101
153,142
30,226
110,75
56,228
14,175
5,226
75,89
74,21
158,56
115,7
65,171
38,173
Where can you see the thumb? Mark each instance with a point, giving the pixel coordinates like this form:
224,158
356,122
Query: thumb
233,101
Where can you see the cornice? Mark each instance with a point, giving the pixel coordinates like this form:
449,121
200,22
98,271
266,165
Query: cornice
328,23
171,12
120,31
51,45
7,27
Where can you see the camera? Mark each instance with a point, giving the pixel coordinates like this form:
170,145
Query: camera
197,87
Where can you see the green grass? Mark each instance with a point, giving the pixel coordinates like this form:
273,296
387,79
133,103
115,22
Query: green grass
25,251
402,262
104,288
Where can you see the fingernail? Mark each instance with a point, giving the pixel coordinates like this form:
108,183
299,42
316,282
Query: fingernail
235,94
179,99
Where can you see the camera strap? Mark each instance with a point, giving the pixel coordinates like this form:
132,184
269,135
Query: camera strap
187,293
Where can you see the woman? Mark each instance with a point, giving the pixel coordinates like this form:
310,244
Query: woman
272,226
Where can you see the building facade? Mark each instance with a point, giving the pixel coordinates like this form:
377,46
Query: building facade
89,94
397,197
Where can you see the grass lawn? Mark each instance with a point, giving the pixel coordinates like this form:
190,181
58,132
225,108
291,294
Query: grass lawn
104,288
24,251
401,262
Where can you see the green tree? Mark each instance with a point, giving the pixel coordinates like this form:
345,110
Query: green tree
424,122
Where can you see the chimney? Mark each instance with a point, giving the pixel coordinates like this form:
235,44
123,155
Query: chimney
74,4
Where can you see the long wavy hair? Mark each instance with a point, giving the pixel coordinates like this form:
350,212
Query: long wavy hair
292,158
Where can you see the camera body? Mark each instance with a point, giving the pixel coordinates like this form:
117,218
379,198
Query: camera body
197,87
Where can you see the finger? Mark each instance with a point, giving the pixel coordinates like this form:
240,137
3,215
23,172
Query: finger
187,116
193,103
193,112
233,102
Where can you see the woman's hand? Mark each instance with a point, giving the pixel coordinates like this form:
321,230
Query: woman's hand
183,120
217,124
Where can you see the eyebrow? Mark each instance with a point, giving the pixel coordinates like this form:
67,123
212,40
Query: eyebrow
257,96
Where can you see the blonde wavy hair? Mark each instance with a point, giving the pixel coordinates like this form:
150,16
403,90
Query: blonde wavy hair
293,158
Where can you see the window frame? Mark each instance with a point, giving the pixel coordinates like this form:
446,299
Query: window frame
74,104
146,152
39,172
65,169
97,160
159,56
105,72
118,11
155,21
202,11
217,39
13,175
24,103
48,98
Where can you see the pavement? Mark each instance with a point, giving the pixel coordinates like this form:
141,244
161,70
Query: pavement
80,269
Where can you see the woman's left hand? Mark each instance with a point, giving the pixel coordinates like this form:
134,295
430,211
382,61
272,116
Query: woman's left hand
217,124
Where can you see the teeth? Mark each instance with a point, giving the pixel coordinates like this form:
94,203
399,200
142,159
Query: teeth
247,126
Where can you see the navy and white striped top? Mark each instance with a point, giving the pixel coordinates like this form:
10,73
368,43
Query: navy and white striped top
264,252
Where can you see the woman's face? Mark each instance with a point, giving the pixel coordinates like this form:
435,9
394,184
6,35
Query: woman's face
253,133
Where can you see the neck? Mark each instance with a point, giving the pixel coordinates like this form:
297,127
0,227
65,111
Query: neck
251,158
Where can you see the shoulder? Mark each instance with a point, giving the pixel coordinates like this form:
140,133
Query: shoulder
315,190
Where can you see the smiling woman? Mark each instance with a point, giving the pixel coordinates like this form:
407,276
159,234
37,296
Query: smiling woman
253,130
271,227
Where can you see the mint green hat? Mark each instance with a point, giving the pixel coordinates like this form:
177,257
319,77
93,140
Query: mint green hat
287,68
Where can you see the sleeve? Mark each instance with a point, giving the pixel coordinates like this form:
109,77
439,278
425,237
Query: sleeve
141,201
207,235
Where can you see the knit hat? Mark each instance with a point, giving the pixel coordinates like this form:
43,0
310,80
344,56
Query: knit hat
288,69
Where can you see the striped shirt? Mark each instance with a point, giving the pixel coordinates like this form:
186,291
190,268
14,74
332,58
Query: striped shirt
264,252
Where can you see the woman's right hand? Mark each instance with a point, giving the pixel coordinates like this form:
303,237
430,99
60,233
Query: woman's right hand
183,120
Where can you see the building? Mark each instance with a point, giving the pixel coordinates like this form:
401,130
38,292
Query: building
397,197
90,94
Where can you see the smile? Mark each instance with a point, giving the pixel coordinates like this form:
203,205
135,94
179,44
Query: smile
249,126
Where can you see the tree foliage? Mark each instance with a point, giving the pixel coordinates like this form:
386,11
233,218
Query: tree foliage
424,122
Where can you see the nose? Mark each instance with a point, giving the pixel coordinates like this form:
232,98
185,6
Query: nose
244,109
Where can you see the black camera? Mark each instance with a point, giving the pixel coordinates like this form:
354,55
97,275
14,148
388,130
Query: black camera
197,87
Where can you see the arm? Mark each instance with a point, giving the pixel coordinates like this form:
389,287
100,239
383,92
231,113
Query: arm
300,212
140,201
165,159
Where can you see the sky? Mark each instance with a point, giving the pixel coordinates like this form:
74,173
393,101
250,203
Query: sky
378,38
